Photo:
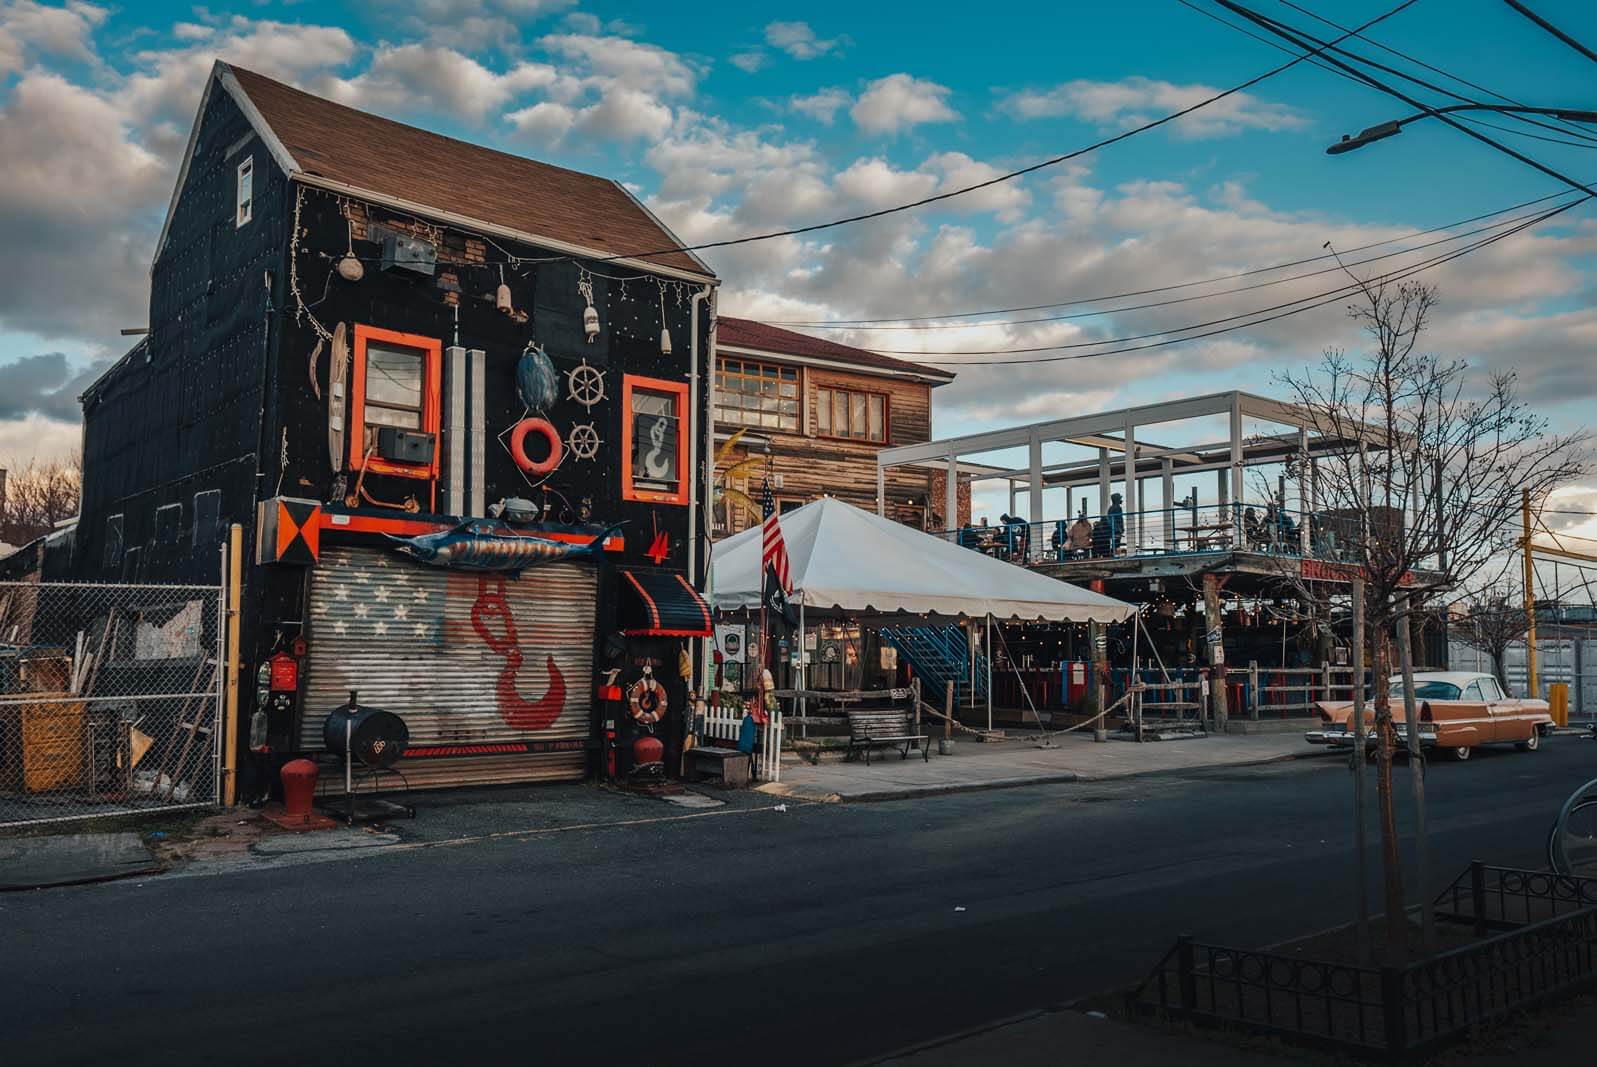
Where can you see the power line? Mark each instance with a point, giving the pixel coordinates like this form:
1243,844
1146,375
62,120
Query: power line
840,324
1317,47
1339,291
1033,168
1180,300
1554,30
1564,125
1332,297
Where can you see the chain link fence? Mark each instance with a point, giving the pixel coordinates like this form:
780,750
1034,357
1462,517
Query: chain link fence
109,698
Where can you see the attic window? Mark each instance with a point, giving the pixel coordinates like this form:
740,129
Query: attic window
246,192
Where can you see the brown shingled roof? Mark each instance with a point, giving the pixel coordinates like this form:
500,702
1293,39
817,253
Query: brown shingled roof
392,159
746,333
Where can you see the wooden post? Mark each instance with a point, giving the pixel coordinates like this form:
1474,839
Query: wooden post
1253,689
1531,688
948,712
1325,680
914,700
235,579
1361,849
1213,618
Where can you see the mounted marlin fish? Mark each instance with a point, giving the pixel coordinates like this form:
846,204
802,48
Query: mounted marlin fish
482,546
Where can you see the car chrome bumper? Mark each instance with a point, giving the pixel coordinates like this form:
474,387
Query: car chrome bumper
1343,739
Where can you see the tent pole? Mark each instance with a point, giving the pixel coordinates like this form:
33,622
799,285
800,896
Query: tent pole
803,674
989,651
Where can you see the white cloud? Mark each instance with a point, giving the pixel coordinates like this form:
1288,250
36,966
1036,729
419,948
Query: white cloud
822,106
1138,100
37,438
898,102
31,29
875,183
626,62
799,41
431,77
749,60
77,193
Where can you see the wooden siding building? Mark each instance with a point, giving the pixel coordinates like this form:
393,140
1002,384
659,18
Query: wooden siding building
819,412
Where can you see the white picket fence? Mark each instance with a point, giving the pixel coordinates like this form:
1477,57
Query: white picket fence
722,725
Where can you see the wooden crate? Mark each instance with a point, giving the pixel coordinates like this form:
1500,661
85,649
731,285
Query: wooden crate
52,745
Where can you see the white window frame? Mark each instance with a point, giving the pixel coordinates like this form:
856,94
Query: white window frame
244,210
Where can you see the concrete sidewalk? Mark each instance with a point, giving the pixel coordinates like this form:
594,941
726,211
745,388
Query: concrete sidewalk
977,765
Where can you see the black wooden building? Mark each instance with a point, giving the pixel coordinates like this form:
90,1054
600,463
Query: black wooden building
351,325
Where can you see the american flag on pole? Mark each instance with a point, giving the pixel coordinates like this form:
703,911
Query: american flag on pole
775,554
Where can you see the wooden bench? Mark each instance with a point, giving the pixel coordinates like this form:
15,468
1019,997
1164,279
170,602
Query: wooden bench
870,727
727,764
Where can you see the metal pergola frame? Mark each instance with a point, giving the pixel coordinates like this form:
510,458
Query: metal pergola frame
1123,456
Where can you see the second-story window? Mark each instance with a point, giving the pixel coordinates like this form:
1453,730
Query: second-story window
762,395
246,192
851,414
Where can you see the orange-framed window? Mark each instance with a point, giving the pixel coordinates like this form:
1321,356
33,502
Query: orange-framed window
396,382
654,440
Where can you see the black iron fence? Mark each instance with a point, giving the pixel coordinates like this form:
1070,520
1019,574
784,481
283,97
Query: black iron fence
1547,947
1504,898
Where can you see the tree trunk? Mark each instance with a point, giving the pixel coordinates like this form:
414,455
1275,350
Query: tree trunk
1391,857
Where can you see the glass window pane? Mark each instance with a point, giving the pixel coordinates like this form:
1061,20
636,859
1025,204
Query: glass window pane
393,375
856,424
878,411
823,411
840,413
401,417
654,439
789,389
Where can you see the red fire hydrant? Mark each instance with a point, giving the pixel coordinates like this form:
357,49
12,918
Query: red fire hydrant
299,786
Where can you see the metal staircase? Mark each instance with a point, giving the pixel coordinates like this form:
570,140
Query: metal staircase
938,655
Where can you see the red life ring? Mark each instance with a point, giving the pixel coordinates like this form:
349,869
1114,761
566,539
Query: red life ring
647,701
518,445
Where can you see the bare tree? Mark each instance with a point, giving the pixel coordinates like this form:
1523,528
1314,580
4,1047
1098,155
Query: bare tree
1425,484
37,496
1490,619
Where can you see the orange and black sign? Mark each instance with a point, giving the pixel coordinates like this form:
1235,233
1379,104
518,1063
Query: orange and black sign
289,530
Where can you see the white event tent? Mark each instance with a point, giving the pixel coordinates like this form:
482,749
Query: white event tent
844,559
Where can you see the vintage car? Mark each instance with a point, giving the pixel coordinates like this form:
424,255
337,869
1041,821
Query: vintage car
1458,711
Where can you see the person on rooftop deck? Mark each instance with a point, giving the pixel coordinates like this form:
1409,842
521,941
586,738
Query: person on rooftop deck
1116,518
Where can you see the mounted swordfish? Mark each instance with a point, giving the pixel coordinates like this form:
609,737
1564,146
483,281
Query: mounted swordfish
480,546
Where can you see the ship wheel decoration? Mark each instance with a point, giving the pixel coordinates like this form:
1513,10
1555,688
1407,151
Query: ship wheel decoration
583,441
586,384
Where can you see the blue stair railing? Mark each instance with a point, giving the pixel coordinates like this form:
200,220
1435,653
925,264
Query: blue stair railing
938,655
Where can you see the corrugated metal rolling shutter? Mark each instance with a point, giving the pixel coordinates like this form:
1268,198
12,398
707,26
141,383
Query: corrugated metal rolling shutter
402,634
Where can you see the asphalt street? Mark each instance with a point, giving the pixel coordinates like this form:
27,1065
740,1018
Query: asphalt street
820,934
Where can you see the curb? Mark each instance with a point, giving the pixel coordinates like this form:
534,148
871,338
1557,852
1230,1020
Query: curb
92,879
1061,777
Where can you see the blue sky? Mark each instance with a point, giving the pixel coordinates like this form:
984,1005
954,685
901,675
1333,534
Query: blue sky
751,116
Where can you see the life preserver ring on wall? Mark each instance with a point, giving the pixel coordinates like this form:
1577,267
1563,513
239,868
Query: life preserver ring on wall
518,445
647,701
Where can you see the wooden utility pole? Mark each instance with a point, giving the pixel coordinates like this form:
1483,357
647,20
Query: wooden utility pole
1531,688
1215,639
235,570
1356,724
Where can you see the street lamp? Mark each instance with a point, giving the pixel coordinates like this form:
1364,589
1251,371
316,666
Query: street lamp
1394,127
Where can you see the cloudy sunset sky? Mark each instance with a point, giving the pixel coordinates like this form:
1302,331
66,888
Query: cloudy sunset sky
732,119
